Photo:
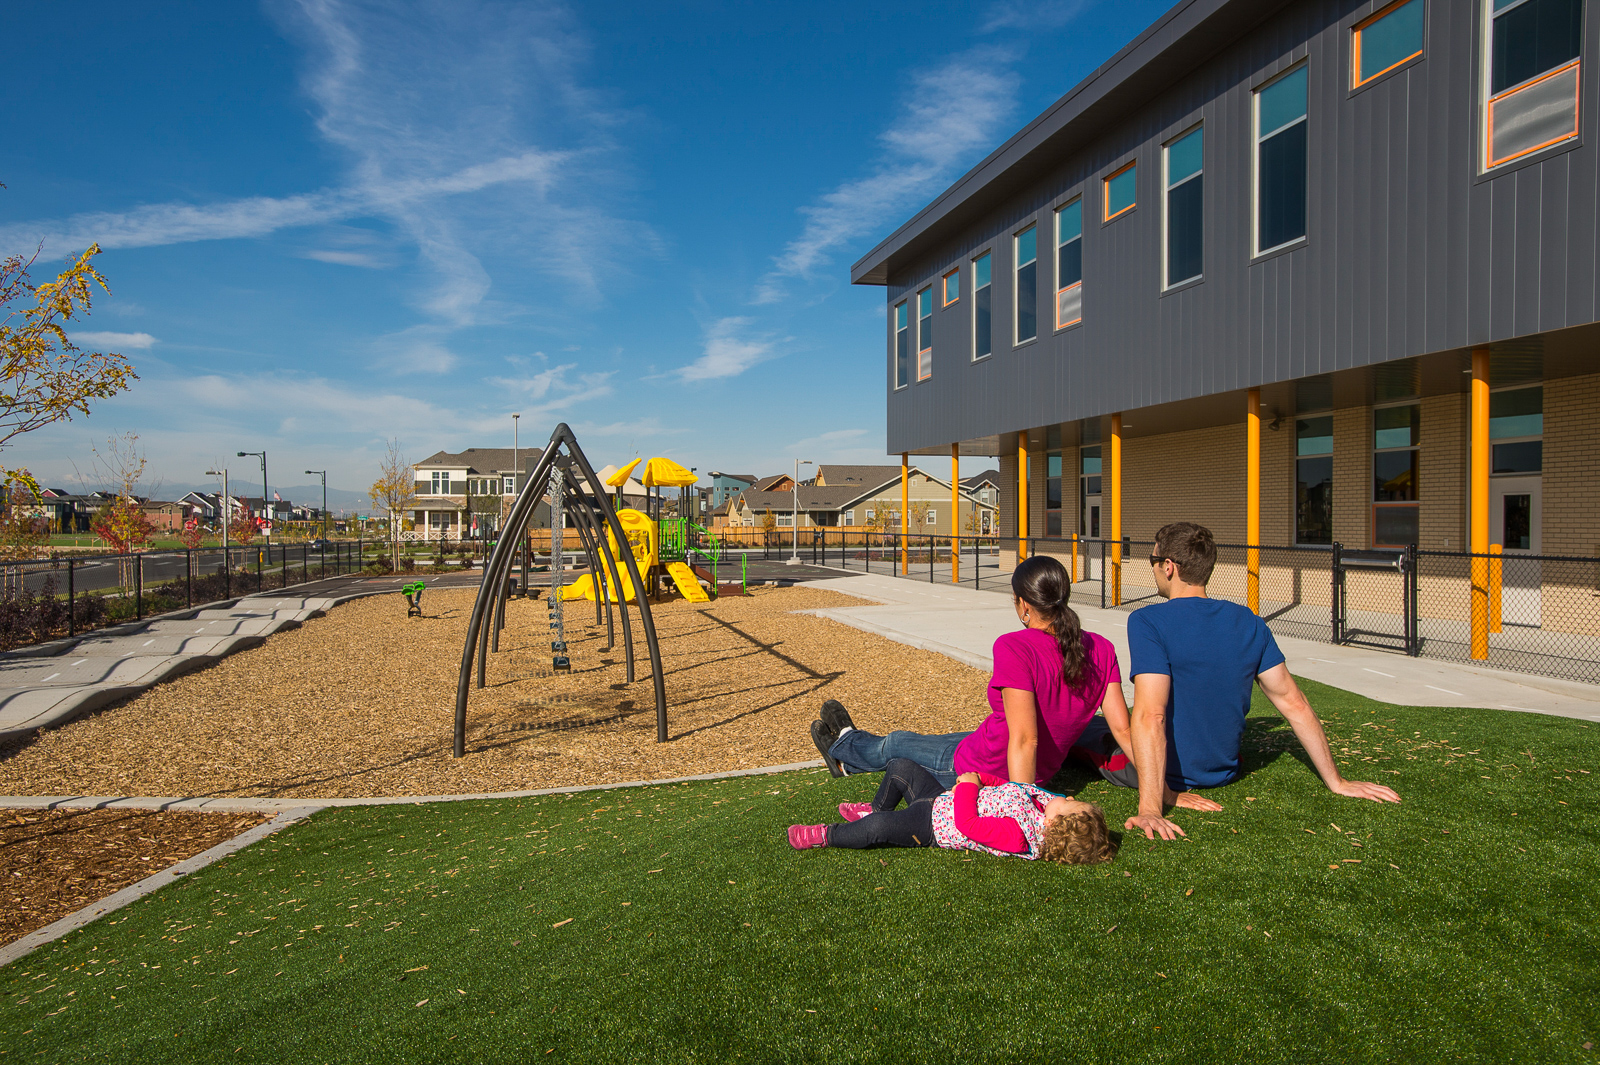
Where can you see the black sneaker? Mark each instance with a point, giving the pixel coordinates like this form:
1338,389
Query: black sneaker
836,717
823,738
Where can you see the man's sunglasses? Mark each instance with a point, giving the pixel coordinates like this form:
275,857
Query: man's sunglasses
1156,560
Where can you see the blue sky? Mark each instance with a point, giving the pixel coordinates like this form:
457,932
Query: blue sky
329,223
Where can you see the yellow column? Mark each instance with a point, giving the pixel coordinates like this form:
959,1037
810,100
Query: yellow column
1022,495
1074,558
1494,587
1478,503
955,513
1252,495
905,510
1116,510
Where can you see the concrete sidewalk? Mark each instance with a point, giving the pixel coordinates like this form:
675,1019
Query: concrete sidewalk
963,624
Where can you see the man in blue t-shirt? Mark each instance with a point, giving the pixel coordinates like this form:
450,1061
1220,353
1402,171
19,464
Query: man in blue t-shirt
1193,660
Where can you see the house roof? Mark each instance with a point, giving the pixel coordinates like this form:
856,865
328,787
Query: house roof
1191,32
834,476
483,460
747,478
812,497
766,483
977,480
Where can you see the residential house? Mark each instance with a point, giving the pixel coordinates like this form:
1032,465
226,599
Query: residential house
465,495
860,504
724,486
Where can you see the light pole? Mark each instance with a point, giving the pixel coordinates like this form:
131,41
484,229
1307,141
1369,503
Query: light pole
263,456
794,520
324,475
223,473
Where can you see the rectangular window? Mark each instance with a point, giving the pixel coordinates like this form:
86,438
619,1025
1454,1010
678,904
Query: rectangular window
1069,264
871,514
1281,161
1052,494
925,334
1027,284
1184,161
441,483
1314,480
1516,427
786,519
849,517
1532,103
931,520
510,487
1395,436
1391,37
1122,191
982,339
902,346
952,287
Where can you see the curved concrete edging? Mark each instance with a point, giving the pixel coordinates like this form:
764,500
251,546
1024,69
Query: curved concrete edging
289,811
134,892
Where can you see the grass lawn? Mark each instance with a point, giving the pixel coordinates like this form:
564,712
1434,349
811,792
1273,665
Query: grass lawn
675,924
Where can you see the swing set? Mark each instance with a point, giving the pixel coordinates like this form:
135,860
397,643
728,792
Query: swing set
576,495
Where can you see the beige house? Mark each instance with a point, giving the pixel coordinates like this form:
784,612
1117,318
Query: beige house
851,500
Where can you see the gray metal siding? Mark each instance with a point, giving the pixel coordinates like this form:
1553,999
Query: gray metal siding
1410,250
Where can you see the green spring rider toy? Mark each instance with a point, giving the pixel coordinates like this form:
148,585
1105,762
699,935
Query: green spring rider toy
413,594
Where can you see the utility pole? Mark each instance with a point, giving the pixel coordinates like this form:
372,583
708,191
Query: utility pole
265,503
223,473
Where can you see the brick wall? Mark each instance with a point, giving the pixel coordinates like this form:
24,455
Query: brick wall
1197,475
1571,488
1442,473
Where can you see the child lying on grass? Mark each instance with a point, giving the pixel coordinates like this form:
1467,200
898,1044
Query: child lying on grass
981,813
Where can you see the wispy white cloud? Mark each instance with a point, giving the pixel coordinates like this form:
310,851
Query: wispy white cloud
465,126
114,341
1033,16
727,353
951,115
554,391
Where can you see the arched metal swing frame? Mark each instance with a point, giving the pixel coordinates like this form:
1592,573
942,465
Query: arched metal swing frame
592,510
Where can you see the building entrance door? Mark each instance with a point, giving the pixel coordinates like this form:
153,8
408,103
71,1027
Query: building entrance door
1514,513
1092,529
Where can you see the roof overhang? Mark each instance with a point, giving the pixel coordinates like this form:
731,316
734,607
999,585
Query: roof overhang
1176,44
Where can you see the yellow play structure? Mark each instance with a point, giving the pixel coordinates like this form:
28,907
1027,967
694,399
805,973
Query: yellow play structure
644,537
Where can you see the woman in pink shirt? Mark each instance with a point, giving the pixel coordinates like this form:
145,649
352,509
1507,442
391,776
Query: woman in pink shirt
1048,680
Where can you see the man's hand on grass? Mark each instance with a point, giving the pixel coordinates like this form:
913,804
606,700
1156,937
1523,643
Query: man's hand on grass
1153,823
1360,789
1189,800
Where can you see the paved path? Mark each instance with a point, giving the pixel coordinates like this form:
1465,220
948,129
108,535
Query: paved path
964,624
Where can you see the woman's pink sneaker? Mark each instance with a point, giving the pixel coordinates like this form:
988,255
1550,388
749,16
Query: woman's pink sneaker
854,811
804,837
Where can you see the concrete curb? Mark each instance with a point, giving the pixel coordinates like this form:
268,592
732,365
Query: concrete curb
154,882
267,805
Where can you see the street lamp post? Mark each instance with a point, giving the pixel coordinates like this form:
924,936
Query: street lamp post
223,473
263,456
794,519
324,475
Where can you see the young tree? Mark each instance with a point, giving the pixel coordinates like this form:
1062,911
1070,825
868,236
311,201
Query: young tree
44,377
919,512
243,527
23,530
395,491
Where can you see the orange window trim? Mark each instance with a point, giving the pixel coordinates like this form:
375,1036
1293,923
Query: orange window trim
1356,81
1059,291
1488,147
1106,184
944,296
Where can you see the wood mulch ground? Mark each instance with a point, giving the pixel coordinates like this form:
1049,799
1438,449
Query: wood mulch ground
361,702
55,862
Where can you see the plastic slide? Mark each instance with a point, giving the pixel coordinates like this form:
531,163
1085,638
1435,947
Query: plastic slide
684,578
583,588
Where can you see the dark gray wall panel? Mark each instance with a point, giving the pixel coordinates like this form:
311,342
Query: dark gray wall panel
1410,249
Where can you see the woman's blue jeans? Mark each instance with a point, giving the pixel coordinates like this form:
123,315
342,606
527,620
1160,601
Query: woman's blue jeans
864,752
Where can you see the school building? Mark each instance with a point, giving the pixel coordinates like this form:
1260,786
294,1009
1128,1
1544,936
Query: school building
1305,272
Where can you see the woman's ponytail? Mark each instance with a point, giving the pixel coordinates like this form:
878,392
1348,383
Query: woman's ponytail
1043,584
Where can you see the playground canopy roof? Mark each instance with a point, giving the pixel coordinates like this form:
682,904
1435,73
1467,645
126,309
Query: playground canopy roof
620,477
664,473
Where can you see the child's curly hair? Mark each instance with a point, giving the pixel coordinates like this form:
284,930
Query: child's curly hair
1078,839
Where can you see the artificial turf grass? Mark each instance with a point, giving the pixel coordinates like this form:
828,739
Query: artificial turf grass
1471,950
